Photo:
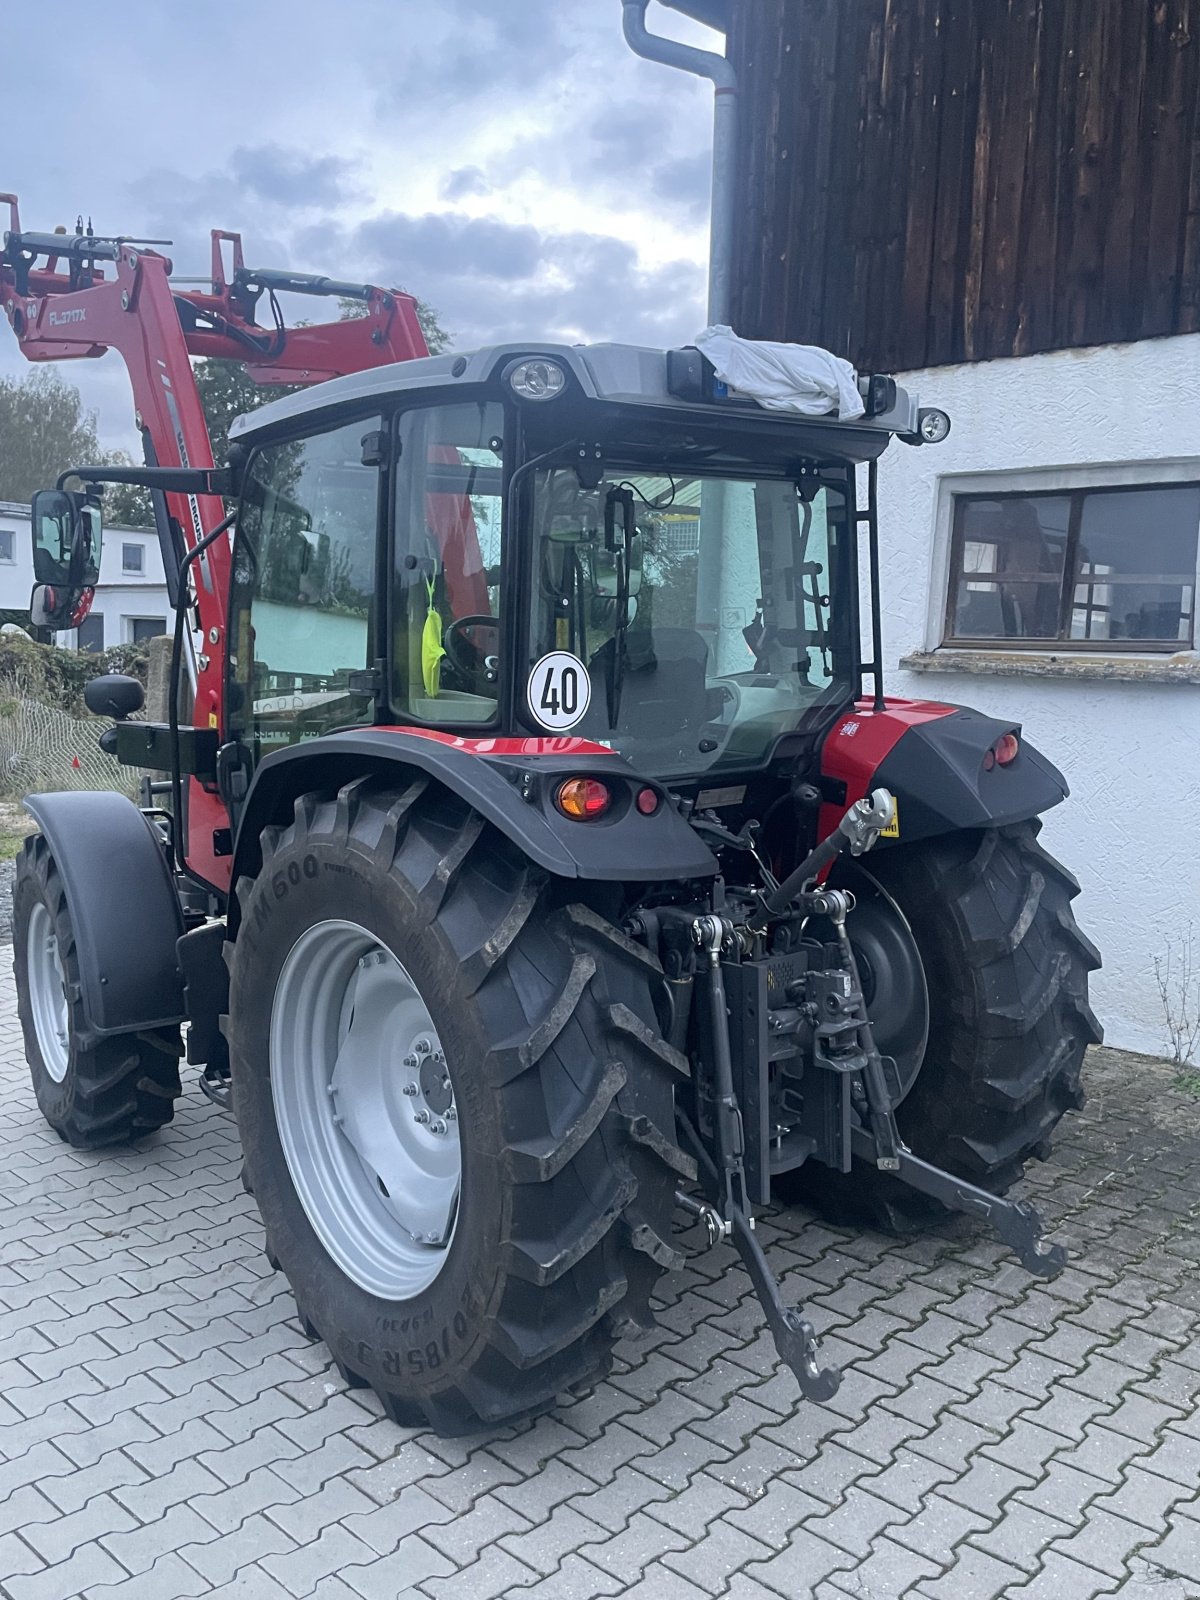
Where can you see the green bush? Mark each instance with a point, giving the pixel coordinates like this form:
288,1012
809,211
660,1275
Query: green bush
56,677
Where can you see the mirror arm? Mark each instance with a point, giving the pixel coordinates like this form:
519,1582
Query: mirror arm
171,480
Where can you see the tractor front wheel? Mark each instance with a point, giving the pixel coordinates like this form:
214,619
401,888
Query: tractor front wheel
92,1091
456,1110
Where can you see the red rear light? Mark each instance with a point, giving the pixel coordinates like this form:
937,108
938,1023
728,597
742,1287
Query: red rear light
1003,753
647,802
583,799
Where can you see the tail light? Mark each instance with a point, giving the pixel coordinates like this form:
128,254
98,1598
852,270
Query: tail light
583,799
1003,753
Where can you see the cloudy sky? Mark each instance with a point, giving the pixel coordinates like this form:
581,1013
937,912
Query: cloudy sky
509,161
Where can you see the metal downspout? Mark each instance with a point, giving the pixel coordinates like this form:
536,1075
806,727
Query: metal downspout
705,64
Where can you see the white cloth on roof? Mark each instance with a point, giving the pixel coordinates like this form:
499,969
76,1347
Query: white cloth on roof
783,377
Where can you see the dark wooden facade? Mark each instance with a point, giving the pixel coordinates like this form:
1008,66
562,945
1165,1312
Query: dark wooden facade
931,181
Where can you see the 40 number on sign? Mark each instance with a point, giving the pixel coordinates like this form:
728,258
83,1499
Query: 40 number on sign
559,691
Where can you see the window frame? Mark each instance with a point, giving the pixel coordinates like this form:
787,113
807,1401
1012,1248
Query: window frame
1073,486
133,572
375,409
503,723
131,628
9,560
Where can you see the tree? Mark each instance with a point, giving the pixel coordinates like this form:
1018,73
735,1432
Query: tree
43,431
436,337
126,505
226,391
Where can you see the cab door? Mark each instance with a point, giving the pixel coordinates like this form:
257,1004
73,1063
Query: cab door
305,609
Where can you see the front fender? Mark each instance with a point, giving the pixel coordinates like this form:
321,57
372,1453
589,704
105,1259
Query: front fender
124,910
931,757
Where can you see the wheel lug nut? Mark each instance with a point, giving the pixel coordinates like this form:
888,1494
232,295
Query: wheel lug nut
451,1114
437,1127
410,1062
423,1047
410,1088
421,1116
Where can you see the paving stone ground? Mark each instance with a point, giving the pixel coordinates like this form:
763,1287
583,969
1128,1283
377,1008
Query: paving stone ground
166,1430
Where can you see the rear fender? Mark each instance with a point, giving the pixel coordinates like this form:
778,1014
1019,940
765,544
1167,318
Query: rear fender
124,910
931,757
510,782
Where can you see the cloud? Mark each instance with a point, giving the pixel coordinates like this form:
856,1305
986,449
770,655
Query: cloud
290,177
447,245
492,281
463,181
510,161
684,181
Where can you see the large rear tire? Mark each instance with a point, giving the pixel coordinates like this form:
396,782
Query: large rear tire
561,1086
92,1092
1006,973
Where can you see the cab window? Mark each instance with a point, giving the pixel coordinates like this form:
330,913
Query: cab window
446,631
303,589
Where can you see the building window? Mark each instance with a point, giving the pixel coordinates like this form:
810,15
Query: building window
143,628
1089,568
6,546
133,558
90,634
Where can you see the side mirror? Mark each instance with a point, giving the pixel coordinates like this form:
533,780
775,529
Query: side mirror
67,538
617,568
113,695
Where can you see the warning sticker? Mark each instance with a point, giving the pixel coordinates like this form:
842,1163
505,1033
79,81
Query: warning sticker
892,831
559,691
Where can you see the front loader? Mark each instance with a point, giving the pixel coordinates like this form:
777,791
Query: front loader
548,871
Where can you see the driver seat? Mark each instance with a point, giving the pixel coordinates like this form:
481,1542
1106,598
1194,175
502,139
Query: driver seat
664,689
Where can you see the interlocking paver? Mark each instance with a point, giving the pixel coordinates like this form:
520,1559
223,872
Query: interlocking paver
994,1437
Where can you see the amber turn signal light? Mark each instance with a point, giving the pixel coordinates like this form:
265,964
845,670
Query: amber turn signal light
585,799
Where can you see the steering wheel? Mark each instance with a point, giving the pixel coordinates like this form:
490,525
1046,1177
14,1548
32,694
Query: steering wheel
452,640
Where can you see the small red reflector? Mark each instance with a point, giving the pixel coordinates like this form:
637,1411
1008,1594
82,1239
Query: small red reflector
583,798
989,760
647,802
1005,748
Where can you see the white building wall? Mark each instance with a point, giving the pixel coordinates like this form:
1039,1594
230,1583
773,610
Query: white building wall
121,597
1131,751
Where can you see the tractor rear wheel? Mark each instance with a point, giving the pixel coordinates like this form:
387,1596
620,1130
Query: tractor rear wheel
456,1110
1005,1012
106,1091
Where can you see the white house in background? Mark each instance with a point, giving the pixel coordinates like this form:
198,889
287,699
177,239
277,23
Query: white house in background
131,598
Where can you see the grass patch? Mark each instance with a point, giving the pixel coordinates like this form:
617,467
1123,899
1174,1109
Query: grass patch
1187,1081
10,843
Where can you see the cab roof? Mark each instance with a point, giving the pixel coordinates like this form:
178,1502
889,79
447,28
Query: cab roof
616,374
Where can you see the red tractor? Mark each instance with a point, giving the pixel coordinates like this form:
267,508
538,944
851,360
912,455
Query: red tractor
536,854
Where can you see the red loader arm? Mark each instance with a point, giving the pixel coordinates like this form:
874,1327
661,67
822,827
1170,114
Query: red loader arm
69,296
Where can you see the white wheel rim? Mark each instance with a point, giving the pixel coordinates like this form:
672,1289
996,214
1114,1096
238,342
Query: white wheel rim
48,993
365,1109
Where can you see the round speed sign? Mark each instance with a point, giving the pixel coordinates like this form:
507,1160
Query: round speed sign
559,691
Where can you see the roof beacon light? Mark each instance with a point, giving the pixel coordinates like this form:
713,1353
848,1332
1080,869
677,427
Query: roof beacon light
932,425
537,380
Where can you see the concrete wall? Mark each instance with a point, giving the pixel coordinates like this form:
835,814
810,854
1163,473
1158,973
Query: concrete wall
1131,751
120,596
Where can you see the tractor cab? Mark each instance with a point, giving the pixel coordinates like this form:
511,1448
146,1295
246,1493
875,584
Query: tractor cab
541,542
